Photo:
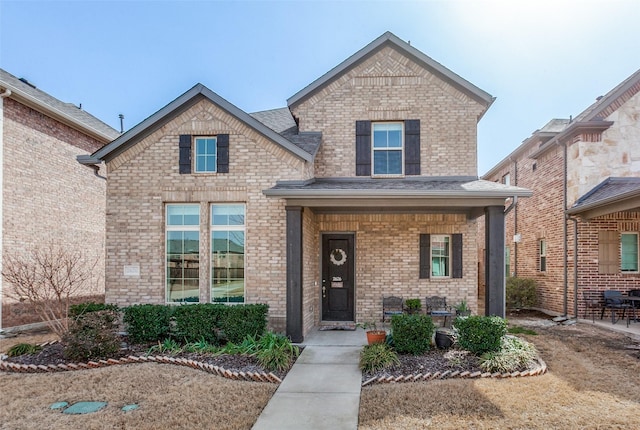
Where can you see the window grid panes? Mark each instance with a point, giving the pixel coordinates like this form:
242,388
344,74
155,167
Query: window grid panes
182,253
629,252
206,154
543,256
227,253
388,149
507,261
440,255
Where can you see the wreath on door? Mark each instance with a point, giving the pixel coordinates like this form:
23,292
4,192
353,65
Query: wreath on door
338,257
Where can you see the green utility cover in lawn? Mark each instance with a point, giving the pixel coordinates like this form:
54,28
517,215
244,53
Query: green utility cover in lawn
84,407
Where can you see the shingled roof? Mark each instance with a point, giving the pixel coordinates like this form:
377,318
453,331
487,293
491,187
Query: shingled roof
611,191
68,113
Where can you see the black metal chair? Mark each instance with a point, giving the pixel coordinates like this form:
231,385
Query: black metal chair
614,301
391,306
635,305
590,302
436,306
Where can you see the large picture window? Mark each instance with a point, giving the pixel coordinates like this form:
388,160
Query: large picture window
629,252
182,252
388,149
440,255
227,253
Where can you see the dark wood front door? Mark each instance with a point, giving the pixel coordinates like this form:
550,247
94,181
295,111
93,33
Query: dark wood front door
338,269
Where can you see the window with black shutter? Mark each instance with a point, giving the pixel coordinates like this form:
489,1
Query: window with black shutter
440,256
388,149
210,154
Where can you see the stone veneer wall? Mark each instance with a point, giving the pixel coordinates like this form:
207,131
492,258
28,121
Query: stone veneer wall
48,197
143,179
390,87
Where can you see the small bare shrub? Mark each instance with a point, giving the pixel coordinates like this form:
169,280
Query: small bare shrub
48,279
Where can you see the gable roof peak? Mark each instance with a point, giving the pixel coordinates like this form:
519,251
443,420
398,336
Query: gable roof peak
388,38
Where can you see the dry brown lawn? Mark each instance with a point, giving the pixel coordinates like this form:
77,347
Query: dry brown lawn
593,383
170,397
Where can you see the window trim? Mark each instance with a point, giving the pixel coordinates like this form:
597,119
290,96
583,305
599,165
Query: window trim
506,178
542,255
179,227
629,233
195,155
220,227
449,256
402,150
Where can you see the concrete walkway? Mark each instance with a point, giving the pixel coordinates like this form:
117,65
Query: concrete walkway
322,389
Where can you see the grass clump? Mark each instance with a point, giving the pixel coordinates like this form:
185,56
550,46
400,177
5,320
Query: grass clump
377,357
167,346
23,349
515,354
275,351
521,330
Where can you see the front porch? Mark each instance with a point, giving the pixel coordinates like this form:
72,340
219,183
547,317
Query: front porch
398,238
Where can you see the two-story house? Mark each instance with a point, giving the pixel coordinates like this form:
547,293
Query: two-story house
47,198
364,186
585,176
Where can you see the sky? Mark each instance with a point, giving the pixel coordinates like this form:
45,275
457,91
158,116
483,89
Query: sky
541,59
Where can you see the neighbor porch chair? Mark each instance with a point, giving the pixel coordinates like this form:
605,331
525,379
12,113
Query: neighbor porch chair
591,302
614,301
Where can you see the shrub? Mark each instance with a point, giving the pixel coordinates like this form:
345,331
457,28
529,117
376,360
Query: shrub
276,352
83,308
520,293
377,357
515,354
198,321
242,320
413,305
147,323
92,336
200,346
480,334
412,333
23,349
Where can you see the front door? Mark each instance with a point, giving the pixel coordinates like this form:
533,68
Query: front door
338,269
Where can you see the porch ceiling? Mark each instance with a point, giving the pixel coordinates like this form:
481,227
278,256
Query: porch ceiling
418,194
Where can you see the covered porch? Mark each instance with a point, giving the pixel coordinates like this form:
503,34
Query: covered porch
351,241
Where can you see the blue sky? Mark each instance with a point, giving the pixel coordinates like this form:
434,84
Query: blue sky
542,59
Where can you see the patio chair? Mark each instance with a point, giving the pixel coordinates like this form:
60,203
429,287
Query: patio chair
436,306
391,305
614,301
635,304
590,302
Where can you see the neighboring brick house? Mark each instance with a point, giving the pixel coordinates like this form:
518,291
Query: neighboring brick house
585,176
47,197
365,185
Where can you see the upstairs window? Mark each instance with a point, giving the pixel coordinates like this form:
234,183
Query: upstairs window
388,145
206,154
506,179
629,252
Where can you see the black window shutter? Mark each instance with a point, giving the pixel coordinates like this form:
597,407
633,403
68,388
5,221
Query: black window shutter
412,147
456,248
223,153
363,148
185,154
425,257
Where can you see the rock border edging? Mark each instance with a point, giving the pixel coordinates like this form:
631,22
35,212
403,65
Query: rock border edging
539,369
7,366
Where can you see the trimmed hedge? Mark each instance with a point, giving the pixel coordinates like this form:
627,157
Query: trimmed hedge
148,323
412,333
84,308
480,334
520,293
192,323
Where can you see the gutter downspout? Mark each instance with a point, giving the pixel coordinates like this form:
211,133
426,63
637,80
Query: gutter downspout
6,93
564,232
575,265
515,223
